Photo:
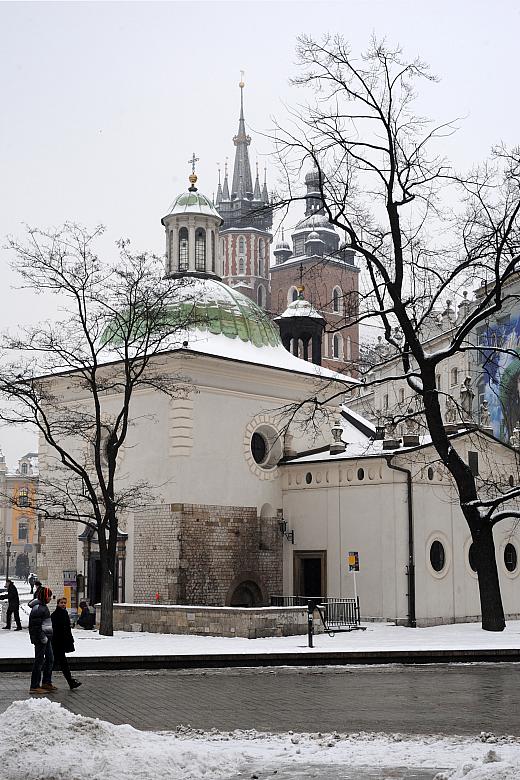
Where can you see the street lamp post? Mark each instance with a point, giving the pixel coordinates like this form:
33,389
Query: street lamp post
7,555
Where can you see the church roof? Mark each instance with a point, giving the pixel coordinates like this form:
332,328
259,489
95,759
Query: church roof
193,202
301,308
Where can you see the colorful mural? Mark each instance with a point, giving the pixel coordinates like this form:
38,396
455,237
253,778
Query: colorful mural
500,378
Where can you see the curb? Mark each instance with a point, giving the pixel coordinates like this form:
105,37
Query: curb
316,658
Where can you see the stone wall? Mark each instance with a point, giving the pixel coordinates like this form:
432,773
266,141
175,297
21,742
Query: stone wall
59,545
199,554
212,621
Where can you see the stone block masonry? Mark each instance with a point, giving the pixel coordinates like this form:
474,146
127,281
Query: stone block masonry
201,554
212,621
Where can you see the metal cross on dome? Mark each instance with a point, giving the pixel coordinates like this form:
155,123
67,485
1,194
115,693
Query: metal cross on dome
192,162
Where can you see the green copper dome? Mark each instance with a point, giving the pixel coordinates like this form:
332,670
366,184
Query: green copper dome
193,202
212,306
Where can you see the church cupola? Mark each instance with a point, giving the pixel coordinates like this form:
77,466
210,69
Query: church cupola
192,234
313,199
314,245
301,329
283,251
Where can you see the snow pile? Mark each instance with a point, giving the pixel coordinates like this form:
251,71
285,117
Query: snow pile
491,767
41,739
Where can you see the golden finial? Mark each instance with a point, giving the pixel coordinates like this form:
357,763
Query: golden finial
193,176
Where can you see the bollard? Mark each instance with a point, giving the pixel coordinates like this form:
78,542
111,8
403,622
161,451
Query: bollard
310,617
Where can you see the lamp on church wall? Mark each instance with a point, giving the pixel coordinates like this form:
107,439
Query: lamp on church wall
282,527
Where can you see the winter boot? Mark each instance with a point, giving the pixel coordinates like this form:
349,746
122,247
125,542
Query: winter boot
74,684
49,687
37,690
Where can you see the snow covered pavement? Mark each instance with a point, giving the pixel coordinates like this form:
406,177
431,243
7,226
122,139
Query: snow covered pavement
60,745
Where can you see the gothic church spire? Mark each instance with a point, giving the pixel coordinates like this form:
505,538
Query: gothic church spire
242,182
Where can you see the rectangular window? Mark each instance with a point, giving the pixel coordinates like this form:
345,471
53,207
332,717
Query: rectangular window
22,532
473,462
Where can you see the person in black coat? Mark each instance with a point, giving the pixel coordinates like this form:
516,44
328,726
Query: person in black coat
13,605
63,641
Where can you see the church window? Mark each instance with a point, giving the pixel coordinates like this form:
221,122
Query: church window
437,556
511,481
213,250
23,530
183,249
299,246
258,447
336,347
336,300
241,245
510,557
260,267
25,468
349,348
241,266
200,249
292,295
261,295
23,497
261,249
454,377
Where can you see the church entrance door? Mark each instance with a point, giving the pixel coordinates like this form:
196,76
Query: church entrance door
310,573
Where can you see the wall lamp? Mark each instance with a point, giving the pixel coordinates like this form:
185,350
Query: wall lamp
282,527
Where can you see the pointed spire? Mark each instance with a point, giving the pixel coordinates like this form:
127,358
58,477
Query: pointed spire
257,195
265,194
242,169
225,189
219,188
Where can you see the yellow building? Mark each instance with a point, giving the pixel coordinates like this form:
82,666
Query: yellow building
18,516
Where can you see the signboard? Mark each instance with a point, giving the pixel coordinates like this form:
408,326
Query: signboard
353,561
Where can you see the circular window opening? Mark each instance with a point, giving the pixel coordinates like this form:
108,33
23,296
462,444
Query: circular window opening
437,556
361,474
258,448
308,478
472,558
511,481
430,475
510,557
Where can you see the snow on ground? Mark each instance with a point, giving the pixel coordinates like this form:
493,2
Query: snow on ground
378,637
60,745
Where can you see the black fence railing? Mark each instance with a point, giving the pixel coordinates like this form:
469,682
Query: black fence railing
337,613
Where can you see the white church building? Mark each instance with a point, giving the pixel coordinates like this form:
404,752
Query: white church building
251,501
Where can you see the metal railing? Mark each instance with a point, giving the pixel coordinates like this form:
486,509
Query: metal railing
337,613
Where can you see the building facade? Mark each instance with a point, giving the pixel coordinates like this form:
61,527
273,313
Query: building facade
18,517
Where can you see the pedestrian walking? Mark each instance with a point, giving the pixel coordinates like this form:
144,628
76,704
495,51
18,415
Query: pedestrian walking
13,605
63,641
32,580
40,633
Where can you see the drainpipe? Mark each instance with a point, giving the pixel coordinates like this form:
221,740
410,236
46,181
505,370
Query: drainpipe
410,569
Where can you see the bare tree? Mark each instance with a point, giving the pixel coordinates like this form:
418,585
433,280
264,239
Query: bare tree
120,318
421,231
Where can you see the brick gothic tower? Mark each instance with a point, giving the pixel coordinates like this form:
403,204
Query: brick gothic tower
326,268
245,237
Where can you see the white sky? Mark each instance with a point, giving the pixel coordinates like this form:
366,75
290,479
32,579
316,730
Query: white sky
103,103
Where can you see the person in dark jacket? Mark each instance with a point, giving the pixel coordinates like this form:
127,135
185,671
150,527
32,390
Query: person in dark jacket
13,605
40,634
87,618
31,582
63,641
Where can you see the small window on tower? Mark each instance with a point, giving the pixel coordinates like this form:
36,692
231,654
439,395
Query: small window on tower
294,294
242,245
183,249
261,295
261,249
241,266
336,300
336,347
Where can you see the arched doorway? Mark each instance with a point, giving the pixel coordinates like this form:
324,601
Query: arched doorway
246,594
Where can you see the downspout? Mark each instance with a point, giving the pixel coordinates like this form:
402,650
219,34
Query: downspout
410,569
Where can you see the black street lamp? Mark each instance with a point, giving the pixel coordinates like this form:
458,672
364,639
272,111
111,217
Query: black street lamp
8,555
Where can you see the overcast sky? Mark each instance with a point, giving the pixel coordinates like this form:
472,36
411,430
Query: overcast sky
103,103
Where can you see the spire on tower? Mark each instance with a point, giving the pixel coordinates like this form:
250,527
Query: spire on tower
242,169
265,194
219,187
225,189
257,195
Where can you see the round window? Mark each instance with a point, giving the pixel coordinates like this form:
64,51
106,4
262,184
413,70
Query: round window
258,447
472,557
510,557
437,556
308,478
430,473
361,474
